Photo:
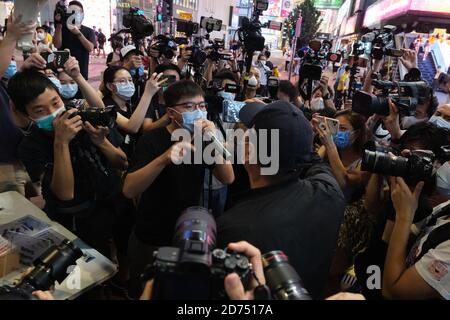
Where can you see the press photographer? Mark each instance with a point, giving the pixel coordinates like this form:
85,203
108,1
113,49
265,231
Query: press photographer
69,153
71,34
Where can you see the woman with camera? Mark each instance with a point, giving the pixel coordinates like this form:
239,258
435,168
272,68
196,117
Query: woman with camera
118,89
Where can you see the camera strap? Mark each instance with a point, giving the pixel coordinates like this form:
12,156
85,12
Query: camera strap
262,291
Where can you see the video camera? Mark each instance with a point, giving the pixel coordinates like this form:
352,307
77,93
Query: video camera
215,55
61,10
193,269
216,104
187,27
165,46
405,95
382,42
250,33
140,27
313,58
50,267
210,24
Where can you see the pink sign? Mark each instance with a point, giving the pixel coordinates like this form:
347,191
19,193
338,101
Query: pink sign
286,8
274,9
391,8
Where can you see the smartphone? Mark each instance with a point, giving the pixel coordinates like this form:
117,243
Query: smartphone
333,124
170,79
55,60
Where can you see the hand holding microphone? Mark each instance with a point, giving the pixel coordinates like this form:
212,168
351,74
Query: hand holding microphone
209,129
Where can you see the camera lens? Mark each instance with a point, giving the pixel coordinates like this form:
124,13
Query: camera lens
282,279
383,163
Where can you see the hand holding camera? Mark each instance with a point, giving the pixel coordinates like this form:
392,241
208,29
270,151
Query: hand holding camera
67,127
409,59
392,121
97,134
35,60
405,201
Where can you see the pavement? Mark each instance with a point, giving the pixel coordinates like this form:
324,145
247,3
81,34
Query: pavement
96,67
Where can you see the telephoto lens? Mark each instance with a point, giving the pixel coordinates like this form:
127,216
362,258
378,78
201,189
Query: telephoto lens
283,281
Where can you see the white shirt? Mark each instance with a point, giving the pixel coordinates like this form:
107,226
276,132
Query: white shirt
434,266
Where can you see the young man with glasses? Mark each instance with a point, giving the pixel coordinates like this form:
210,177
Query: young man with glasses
166,189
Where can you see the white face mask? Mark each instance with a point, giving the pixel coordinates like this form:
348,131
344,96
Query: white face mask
408,122
317,104
443,180
253,82
40,36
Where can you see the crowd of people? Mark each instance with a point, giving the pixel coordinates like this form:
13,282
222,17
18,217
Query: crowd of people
120,186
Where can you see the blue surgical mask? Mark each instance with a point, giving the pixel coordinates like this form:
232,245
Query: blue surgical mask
125,91
440,122
11,71
57,83
189,118
342,139
226,95
443,180
68,91
140,71
46,123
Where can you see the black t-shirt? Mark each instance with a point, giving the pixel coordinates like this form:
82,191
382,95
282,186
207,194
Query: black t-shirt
10,135
176,188
72,42
95,179
156,110
299,216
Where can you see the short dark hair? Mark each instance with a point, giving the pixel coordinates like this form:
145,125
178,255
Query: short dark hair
108,77
76,3
427,134
41,28
26,86
267,54
347,68
225,75
181,89
289,89
167,66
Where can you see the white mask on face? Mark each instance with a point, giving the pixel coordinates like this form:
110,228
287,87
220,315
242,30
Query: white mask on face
40,36
443,180
317,104
253,82
408,122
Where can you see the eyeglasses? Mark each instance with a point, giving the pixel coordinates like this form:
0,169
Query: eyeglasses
124,81
190,106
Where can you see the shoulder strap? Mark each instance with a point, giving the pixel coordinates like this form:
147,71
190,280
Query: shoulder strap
435,238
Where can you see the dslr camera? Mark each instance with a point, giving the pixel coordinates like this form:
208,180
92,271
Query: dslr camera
418,166
50,267
140,27
98,117
165,46
215,55
61,10
405,95
193,269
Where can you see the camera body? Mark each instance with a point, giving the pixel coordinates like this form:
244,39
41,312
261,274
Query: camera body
272,85
165,46
313,58
405,95
382,41
188,27
98,117
139,25
193,269
198,56
51,266
61,9
179,274
215,55
210,24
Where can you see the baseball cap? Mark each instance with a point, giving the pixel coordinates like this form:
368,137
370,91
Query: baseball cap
129,49
295,132
249,111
